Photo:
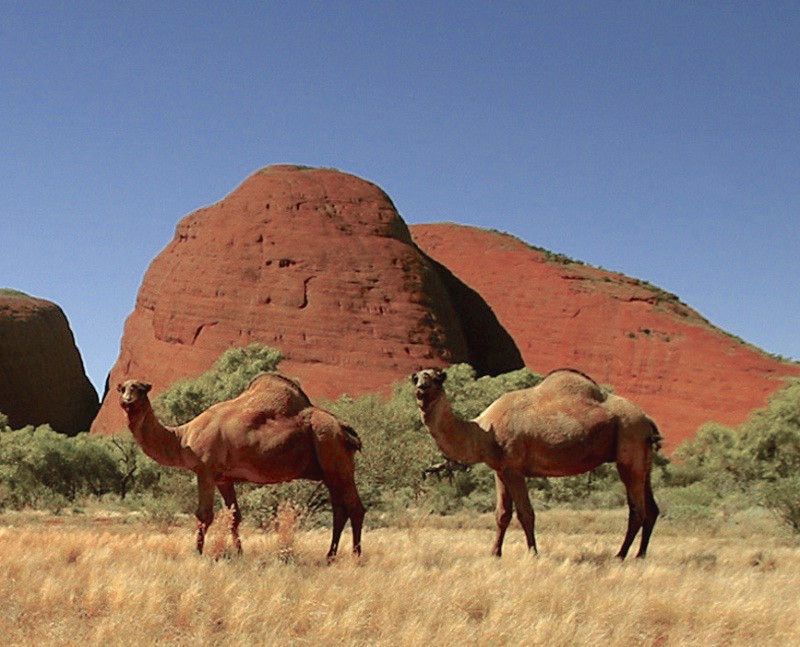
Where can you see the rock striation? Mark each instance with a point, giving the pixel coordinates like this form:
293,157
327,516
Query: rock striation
643,341
315,262
42,379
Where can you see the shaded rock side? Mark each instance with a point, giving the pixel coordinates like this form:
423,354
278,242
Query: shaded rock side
42,378
651,347
317,263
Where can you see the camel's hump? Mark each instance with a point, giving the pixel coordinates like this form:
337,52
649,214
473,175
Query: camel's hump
571,382
274,394
273,379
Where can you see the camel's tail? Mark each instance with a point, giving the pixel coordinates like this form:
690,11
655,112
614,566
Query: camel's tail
656,439
351,438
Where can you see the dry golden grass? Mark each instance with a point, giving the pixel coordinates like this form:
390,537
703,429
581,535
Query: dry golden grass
90,581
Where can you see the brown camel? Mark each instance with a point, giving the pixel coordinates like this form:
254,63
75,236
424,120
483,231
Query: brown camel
563,426
271,433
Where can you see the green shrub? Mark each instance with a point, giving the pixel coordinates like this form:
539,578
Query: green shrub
720,471
782,498
395,448
757,461
261,504
42,468
230,375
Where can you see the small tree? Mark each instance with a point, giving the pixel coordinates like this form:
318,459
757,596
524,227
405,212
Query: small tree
760,458
229,376
782,497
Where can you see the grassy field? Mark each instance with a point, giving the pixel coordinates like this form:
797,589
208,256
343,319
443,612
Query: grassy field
95,579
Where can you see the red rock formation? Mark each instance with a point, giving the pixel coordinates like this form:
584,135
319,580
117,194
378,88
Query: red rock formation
42,379
317,263
646,343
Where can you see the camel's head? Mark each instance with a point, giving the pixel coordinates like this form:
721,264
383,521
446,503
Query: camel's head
132,392
428,385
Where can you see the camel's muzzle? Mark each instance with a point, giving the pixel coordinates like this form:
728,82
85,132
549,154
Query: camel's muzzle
424,394
128,405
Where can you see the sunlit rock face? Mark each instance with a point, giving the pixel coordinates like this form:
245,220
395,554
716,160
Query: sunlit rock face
645,342
315,262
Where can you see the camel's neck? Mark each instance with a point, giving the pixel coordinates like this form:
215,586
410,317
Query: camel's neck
460,440
161,443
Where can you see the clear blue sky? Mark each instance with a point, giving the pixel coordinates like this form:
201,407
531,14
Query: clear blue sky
659,139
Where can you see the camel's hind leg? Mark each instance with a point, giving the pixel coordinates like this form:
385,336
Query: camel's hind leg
339,521
651,514
642,508
503,511
346,505
335,450
356,512
228,493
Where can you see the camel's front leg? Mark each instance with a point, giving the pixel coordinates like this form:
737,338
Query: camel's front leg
502,514
228,493
518,489
205,508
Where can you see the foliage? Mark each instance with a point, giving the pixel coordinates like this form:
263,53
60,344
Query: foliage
41,468
395,449
760,459
718,472
229,376
782,497
470,395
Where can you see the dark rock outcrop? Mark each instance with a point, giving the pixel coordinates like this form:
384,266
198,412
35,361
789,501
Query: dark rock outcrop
42,379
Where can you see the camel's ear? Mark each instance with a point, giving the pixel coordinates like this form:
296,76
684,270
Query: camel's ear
146,386
119,387
441,376
413,378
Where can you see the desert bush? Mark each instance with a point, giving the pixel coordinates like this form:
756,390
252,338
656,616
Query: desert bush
395,448
782,498
260,504
169,490
469,395
40,467
770,438
599,486
230,375
758,460
721,470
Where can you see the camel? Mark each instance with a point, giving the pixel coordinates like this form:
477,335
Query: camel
271,433
565,425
